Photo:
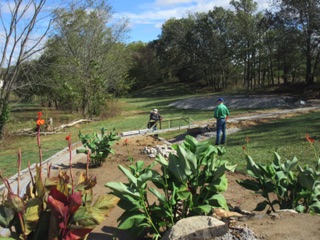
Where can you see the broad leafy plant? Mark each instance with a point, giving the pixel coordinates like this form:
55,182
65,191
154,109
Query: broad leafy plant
189,183
294,187
98,146
309,196
53,208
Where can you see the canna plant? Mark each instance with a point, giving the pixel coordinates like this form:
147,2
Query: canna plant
309,196
53,208
309,178
294,187
189,183
98,146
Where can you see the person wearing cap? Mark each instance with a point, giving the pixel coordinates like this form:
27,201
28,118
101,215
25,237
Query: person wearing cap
221,114
154,118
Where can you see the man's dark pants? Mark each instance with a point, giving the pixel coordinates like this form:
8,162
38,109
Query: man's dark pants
221,127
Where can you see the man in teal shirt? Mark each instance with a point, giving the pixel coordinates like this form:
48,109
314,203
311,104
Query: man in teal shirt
221,113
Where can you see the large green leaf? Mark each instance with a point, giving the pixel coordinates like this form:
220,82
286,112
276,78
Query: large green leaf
218,201
162,160
277,160
219,184
183,192
87,217
132,221
119,188
173,194
290,165
143,178
129,175
306,179
106,203
252,168
189,158
205,150
315,207
128,202
281,176
178,168
221,150
32,214
202,209
316,190
220,171
161,197
266,170
38,181
158,180
190,143
304,194
281,191
300,208
16,202
139,166
6,215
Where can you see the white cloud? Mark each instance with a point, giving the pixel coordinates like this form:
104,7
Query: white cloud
157,14
151,15
171,2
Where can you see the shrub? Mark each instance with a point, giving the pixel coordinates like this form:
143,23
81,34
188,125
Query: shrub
190,183
98,146
294,187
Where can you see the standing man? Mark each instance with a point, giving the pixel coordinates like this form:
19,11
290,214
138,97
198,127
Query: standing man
221,113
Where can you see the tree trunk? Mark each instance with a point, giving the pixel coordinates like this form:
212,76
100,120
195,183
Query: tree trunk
309,75
4,116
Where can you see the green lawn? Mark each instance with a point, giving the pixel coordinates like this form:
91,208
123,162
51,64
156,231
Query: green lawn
286,136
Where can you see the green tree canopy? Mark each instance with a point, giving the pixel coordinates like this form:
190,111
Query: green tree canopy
85,59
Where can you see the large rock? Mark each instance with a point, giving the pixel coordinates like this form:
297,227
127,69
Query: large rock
196,228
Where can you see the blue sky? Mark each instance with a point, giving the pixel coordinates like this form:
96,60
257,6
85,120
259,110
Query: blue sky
147,16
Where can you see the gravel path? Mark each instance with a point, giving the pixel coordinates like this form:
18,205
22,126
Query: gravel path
242,101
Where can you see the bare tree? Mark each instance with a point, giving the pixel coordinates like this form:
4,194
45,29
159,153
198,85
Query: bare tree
24,26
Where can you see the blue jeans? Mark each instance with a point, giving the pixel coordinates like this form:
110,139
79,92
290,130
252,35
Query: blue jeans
221,126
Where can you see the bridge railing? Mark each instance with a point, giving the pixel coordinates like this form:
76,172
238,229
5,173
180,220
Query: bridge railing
165,125
168,124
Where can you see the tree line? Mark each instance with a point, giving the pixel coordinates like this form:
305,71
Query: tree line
240,46
86,61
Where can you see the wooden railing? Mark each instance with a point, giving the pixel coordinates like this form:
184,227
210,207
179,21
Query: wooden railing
171,124
166,125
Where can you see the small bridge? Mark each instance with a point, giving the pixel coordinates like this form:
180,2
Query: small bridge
166,125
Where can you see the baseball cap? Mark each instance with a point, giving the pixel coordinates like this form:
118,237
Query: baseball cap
155,110
220,99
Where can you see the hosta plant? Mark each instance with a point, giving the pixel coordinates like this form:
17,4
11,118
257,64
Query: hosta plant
98,146
294,187
189,183
56,207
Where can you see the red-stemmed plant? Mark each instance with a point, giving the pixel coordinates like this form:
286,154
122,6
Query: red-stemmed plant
55,208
